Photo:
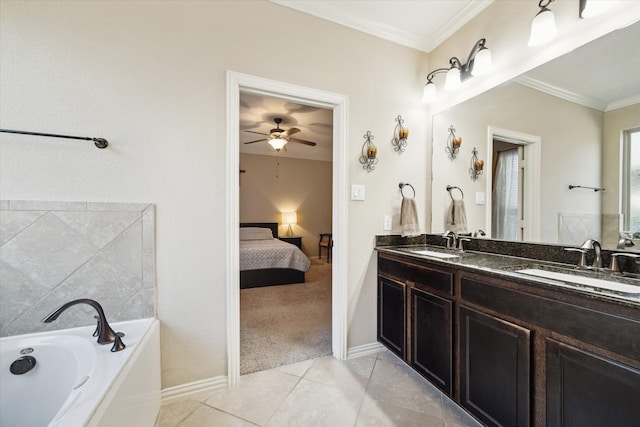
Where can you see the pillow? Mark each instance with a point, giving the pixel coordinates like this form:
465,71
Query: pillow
255,233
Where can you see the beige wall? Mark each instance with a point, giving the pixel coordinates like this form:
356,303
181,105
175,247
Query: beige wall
615,122
151,78
271,185
571,137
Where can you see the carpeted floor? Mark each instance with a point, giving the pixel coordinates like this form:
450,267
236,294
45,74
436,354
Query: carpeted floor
285,324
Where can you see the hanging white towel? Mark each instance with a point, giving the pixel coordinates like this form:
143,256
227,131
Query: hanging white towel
455,219
409,217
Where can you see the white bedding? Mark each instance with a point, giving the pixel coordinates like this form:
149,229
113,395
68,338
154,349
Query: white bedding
271,253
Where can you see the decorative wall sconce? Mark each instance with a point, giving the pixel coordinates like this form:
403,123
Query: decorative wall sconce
479,62
400,135
477,166
543,26
453,143
369,152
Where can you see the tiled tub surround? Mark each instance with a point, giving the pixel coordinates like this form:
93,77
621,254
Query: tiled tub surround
54,252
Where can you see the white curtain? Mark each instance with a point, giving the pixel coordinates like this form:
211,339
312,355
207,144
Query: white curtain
504,220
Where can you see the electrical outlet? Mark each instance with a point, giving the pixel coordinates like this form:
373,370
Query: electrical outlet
357,192
387,223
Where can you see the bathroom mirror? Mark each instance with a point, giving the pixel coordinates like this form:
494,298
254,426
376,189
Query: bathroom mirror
562,123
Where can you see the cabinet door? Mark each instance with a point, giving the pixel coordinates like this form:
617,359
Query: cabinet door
494,369
585,389
392,315
431,337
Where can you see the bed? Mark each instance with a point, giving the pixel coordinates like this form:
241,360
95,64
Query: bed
265,260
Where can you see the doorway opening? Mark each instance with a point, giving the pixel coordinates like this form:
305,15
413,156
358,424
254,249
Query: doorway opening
514,184
237,83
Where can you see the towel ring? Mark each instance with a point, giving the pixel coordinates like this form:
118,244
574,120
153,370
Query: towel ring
449,188
402,185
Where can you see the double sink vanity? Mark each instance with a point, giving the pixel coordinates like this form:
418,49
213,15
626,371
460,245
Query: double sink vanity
515,340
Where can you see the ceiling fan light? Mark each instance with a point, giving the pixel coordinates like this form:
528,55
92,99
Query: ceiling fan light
543,28
452,80
482,63
277,143
429,94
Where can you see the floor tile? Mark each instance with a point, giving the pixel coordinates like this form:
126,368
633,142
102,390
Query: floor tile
350,374
389,357
376,413
172,414
297,369
256,396
318,405
400,385
206,416
455,416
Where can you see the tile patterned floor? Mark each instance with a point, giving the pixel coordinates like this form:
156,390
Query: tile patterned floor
377,390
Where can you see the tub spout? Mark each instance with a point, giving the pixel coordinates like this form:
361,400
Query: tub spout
105,335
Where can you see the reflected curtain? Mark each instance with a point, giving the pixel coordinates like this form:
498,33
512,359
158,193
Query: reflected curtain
504,218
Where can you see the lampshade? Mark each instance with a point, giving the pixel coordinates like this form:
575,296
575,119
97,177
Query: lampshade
452,80
543,28
277,143
289,217
482,63
429,94
593,8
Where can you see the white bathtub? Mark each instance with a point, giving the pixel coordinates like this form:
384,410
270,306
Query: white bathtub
78,382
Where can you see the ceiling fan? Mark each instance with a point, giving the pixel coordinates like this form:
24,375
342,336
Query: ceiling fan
278,138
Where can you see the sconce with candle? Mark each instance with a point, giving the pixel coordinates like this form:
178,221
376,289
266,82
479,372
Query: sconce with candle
453,143
477,166
369,152
400,135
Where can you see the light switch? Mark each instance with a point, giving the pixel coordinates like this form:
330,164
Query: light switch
357,192
387,223
480,198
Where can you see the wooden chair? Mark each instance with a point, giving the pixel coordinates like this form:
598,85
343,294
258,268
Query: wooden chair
326,241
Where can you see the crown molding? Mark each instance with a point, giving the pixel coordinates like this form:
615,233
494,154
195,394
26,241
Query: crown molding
561,93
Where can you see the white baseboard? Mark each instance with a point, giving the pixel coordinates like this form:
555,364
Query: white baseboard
181,391
364,350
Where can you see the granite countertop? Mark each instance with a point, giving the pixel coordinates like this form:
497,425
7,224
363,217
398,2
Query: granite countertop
506,266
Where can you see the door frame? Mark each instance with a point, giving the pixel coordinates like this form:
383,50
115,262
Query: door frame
237,82
531,199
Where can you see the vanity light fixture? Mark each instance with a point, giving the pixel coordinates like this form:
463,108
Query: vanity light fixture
453,143
592,8
369,152
400,135
543,26
478,62
477,166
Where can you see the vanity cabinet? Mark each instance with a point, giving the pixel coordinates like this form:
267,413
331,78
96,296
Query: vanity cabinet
392,315
509,351
431,335
494,369
585,389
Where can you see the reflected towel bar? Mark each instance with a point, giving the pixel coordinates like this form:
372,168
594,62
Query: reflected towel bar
99,142
571,187
449,188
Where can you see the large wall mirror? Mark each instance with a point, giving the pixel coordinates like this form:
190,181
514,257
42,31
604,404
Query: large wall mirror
558,126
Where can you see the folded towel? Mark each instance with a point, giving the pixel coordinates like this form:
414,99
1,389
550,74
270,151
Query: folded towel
455,218
409,217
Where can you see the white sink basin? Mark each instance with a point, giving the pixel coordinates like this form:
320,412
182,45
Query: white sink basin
433,253
622,288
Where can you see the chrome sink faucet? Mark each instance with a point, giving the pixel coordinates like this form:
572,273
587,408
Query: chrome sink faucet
105,334
597,249
451,239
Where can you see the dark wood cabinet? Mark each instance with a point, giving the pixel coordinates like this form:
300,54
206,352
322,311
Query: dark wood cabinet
392,315
494,369
431,335
588,390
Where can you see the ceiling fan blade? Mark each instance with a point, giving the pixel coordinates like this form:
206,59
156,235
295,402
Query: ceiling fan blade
259,133
302,141
291,132
257,140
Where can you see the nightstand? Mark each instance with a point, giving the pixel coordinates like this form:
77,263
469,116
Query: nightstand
294,240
